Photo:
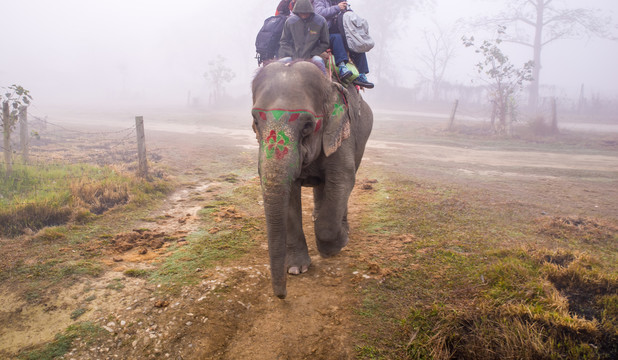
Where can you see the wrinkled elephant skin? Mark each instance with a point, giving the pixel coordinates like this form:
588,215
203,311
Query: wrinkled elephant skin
307,137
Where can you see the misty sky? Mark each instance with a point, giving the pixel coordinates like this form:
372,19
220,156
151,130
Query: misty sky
150,51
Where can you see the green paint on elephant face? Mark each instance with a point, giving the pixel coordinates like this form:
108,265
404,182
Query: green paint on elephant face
277,114
338,110
276,145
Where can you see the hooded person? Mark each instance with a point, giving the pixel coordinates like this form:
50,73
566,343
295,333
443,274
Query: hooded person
305,35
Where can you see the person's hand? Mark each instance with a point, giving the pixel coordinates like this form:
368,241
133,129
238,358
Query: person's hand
343,5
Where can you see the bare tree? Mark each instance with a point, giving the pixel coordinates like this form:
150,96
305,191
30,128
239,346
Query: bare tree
218,74
12,100
387,25
541,22
504,78
438,52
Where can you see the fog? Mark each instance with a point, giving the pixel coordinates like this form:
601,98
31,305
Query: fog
133,53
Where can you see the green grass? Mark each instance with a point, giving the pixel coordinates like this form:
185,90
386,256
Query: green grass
475,281
205,250
116,284
70,249
34,197
77,313
86,331
54,270
137,273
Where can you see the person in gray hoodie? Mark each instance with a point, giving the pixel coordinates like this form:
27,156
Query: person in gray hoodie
305,35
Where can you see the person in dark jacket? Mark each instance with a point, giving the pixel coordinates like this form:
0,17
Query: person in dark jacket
284,7
305,34
330,9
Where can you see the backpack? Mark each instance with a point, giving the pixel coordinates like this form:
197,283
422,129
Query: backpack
267,40
356,30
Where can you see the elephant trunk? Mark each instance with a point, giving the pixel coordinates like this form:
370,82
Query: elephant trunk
276,201
279,165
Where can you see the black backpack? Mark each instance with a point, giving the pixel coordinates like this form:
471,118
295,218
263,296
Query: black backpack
267,40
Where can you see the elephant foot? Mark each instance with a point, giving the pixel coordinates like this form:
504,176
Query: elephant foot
332,248
298,264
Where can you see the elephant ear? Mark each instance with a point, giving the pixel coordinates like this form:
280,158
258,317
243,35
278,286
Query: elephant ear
337,124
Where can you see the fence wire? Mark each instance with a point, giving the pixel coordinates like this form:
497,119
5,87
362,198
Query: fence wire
54,147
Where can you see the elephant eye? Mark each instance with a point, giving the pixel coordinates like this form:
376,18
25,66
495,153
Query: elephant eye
308,127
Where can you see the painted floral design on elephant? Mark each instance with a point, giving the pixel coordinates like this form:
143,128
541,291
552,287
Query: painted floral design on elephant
276,144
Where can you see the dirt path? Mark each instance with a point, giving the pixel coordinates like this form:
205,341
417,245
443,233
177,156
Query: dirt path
231,313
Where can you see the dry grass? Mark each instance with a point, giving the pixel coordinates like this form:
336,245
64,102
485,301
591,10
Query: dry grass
100,196
457,293
589,230
17,219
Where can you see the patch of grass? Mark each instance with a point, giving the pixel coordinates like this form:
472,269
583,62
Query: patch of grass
368,352
229,227
100,196
137,273
86,331
81,268
15,219
231,178
35,197
115,284
587,230
204,250
77,313
51,234
56,270
457,284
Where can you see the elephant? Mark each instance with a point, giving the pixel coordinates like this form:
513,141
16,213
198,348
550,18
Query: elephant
311,132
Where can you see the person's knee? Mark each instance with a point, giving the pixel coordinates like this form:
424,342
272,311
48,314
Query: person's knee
336,38
318,59
319,62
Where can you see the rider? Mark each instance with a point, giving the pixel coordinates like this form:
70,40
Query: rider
330,9
285,7
305,35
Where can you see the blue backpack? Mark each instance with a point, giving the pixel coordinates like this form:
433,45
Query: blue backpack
267,40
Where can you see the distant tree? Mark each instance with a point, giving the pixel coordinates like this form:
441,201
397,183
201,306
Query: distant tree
439,50
218,74
387,23
504,79
12,99
537,23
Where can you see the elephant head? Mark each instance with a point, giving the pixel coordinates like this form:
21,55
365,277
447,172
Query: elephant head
296,119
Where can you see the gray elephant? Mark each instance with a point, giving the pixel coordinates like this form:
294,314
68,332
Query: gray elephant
311,132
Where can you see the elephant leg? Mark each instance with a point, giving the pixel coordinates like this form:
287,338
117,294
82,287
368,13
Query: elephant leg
318,197
297,255
331,225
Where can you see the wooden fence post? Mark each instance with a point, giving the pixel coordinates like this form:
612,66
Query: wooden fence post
6,144
23,134
554,117
452,119
141,147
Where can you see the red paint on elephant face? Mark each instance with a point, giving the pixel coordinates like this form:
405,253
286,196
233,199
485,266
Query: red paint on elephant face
294,117
263,116
272,136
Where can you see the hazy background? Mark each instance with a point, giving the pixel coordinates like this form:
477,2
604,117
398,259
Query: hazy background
133,53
